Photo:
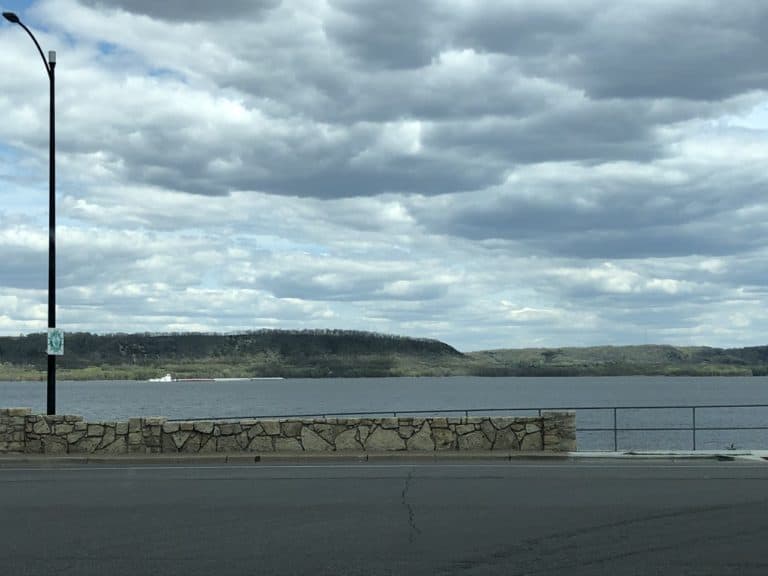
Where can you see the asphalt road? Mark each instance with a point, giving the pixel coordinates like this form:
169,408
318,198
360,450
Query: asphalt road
474,518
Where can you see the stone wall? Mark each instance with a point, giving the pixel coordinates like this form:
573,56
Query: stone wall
27,433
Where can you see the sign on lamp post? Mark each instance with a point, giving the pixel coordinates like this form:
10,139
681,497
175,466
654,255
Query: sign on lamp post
55,342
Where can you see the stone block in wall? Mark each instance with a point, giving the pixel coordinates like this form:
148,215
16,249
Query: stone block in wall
383,439
108,437
207,444
192,445
348,440
166,441
326,431
118,446
421,441
41,427
287,445
227,444
499,423
532,442
271,427
464,428
445,439
203,427
533,427
559,431
489,430
15,411
291,429
313,442
474,441
261,444
228,429
256,430
243,440
506,439
63,429
73,437
171,427
179,438
34,446
85,445
54,445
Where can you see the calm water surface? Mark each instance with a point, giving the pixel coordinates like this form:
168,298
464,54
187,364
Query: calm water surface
97,400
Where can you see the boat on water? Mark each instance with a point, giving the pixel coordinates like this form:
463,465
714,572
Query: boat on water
169,378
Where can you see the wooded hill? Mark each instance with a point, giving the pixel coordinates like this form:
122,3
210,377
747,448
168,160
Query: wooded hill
343,353
306,353
645,360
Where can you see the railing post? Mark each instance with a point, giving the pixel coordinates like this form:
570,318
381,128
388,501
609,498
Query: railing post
693,413
615,433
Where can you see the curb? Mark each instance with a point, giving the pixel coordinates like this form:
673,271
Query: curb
329,457
727,456
246,459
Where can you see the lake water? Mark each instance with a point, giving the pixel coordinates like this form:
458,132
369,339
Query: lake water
124,399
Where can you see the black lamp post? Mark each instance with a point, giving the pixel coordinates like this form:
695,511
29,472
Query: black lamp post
50,65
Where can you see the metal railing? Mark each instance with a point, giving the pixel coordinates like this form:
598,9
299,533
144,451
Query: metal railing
693,428
615,429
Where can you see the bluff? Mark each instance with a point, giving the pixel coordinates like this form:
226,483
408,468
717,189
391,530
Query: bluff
305,353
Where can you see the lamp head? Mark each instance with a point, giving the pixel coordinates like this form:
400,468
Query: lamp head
11,17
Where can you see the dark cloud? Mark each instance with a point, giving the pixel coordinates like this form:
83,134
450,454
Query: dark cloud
23,268
651,242
394,34
588,133
610,216
633,50
189,10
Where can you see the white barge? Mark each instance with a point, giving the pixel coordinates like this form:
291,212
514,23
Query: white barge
169,378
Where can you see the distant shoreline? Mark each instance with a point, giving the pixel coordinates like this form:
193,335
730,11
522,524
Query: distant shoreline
351,354
88,374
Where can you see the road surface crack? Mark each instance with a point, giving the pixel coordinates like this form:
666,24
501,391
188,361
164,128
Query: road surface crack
413,529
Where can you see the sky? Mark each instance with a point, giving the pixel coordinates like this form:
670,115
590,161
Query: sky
492,174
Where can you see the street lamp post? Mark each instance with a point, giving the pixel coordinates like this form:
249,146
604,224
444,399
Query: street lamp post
50,66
